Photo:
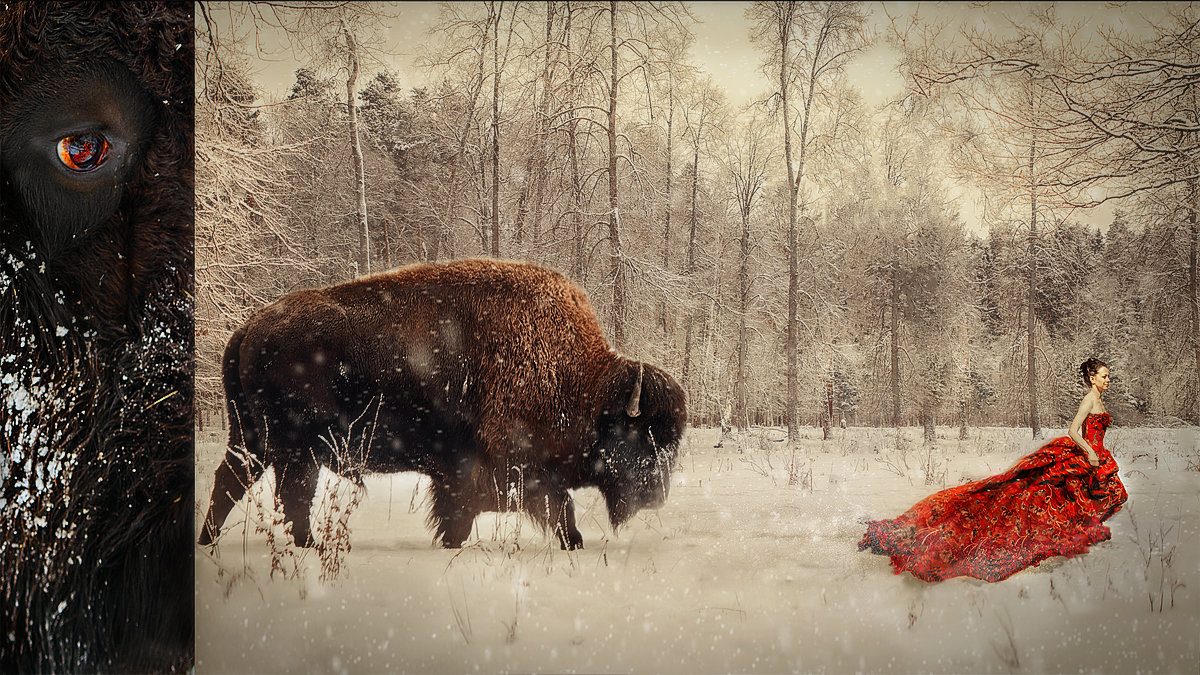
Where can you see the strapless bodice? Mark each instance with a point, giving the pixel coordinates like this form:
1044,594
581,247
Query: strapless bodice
1094,427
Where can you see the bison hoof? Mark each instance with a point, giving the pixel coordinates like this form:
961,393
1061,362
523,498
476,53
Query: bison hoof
306,542
571,542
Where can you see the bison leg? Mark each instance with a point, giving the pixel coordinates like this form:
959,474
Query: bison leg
453,512
569,537
297,488
556,510
238,471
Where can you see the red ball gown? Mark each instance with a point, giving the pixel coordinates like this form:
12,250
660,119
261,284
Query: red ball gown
1052,502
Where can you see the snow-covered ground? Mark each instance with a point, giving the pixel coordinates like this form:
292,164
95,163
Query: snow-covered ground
739,572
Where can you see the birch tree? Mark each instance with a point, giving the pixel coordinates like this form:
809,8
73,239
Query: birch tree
808,44
746,170
703,112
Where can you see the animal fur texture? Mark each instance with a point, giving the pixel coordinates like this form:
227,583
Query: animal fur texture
96,497
493,378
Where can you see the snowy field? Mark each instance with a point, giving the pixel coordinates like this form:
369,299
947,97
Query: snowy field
739,572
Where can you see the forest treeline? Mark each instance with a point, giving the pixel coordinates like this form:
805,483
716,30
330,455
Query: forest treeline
801,259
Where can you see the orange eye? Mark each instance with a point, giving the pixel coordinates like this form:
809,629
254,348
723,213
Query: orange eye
85,152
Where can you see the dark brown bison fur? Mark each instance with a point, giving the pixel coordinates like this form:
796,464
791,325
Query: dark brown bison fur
96,339
493,378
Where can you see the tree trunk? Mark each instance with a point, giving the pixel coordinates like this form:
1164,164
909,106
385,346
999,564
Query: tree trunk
828,431
667,198
614,224
708,383
1031,319
356,156
894,337
485,229
387,243
795,177
691,265
572,127
791,341
535,165
496,135
448,219
793,327
1193,206
687,350
691,248
964,393
541,173
962,418
667,201
1194,281
577,268
743,310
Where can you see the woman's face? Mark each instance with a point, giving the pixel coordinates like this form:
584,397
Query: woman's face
1100,379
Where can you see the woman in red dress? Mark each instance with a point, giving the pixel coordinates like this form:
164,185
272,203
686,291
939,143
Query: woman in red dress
1053,502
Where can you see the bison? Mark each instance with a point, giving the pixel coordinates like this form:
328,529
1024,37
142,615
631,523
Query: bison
492,378
96,526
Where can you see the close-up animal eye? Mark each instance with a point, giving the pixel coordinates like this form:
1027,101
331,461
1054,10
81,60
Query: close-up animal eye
83,152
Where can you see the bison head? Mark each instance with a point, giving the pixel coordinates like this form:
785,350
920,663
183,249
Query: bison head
71,150
96,474
643,411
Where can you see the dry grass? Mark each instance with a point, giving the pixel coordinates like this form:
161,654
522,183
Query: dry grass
1157,547
1006,649
933,468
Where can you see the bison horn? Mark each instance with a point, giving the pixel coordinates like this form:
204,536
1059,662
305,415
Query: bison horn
634,409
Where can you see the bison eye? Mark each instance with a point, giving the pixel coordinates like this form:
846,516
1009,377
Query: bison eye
83,152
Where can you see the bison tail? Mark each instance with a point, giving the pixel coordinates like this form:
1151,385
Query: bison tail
245,459
243,431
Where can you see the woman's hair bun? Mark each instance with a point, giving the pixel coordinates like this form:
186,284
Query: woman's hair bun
1089,368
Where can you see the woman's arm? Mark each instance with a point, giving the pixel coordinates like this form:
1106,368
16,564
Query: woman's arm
1085,407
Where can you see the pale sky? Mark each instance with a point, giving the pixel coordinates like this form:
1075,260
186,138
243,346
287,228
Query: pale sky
724,50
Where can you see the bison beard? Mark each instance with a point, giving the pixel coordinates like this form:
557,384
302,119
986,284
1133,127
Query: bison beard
95,337
492,378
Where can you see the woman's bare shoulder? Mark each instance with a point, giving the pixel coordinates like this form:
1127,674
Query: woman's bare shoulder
1092,404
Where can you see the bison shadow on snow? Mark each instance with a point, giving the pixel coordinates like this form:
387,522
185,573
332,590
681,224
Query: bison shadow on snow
492,378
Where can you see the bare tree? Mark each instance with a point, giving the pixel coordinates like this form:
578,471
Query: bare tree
360,179
1016,139
344,32
614,223
536,164
249,247
1135,107
808,44
745,167
495,11
464,36
542,135
703,112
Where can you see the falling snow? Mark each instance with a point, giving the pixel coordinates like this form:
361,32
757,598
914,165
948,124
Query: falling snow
739,572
